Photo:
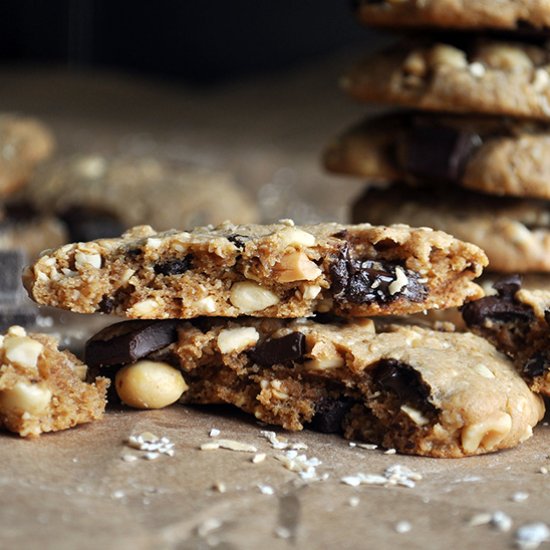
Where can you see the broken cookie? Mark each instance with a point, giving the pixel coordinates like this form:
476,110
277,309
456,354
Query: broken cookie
517,322
42,389
279,270
420,391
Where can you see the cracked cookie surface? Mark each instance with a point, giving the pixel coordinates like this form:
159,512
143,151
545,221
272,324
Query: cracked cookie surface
420,391
279,270
494,155
470,76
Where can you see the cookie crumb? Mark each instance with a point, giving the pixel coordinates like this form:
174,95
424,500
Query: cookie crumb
390,452
214,432
266,489
129,457
282,532
354,502
229,444
402,527
520,496
543,470
257,458
220,487
532,535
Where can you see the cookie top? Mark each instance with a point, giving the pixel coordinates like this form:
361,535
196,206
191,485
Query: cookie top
24,142
42,389
458,14
469,76
137,190
417,390
514,233
516,321
278,270
495,155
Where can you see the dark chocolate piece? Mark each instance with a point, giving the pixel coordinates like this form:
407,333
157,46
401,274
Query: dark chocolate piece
174,267
129,341
11,267
537,365
367,281
87,223
330,414
508,286
438,153
279,350
402,379
238,240
107,305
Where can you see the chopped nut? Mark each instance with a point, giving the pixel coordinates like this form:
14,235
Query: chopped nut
400,281
477,69
23,398
292,236
206,305
23,351
416,416
296,266
83,260
487,434
149,385
324,356
237,339
443,54
415,65
249,297
505,58
311,292
144,308
230,445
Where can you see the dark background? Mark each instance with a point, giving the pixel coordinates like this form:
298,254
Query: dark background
191,40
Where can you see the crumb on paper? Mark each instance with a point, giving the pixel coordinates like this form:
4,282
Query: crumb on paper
257,458
498,520
402,527
282,443
519,496
393,475
266,489
220,487
282,532
230,445
214,432
152,445
532,535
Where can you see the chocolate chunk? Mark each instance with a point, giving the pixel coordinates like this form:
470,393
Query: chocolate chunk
438,153
128,341
279,350
86,223
12,263
495,308
508,286
238,240
367,281
107,305
402,379
330,414
175,267
537,365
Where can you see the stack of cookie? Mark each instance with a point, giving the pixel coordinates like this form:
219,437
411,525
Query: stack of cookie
473,158
246,315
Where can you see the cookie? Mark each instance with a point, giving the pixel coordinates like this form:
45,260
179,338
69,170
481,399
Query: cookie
42,388
276,270
495,155
455,14
516,321
419,391
25,230
99,196
514,233
24,143
472,76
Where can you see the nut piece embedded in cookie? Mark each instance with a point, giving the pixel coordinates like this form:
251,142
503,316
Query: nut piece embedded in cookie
41,388
278,270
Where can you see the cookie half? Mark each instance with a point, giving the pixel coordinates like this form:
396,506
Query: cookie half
279,270
42,389
514,233
416,390
458,14
468,76
494,155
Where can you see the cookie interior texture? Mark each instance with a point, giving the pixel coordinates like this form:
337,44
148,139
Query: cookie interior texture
471,151
463,14
460,75
271,271
417,390
42,389
516,321
514,232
